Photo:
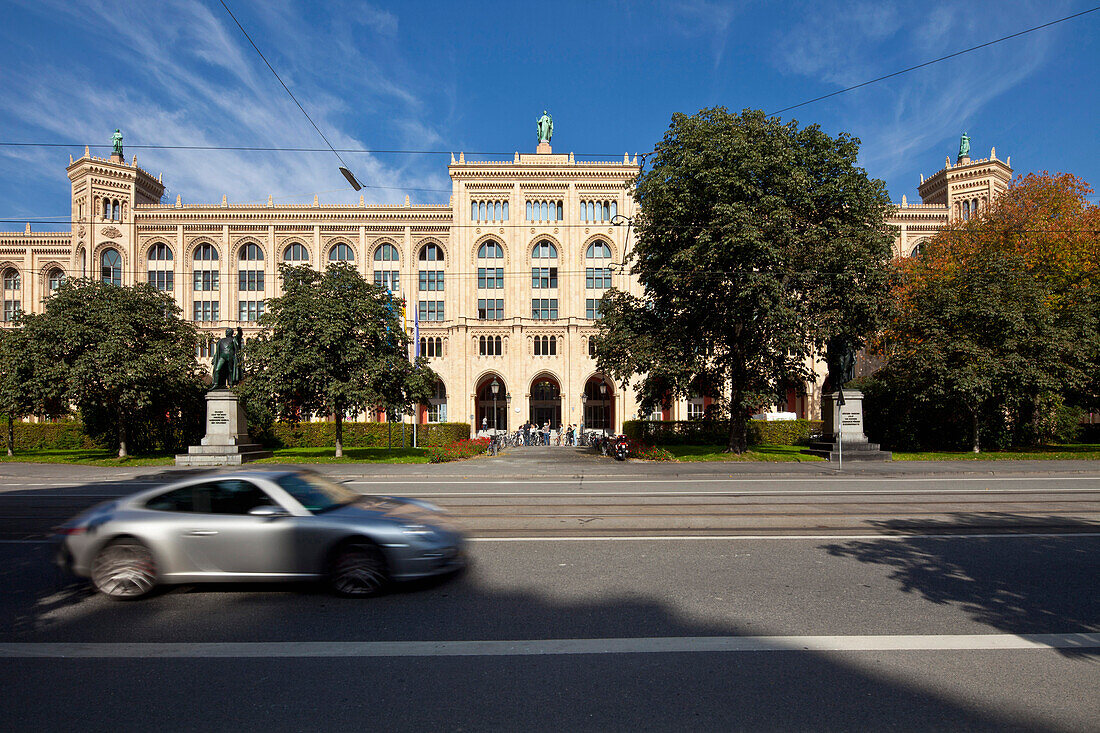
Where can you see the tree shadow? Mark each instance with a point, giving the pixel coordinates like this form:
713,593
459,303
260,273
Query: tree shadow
1018,584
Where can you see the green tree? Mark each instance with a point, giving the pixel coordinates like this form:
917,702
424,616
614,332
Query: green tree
30,382
756,242
1000,314
125,357
334,345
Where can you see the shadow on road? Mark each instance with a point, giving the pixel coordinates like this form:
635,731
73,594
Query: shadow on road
1007,585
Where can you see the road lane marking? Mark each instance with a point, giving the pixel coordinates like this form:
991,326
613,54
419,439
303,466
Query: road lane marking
540,647
691,479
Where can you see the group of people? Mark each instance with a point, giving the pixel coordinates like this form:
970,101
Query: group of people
531,433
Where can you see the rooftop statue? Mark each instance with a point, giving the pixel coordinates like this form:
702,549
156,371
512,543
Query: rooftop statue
227,359
546,127
117,140
964,146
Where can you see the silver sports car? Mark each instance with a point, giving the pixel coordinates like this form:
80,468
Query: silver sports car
262,526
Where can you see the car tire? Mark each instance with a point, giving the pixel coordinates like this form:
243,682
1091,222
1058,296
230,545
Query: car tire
358,570
124,570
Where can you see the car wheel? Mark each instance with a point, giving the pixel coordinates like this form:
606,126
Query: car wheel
358,570
124,570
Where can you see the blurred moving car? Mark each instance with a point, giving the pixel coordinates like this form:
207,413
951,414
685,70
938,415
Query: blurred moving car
258,526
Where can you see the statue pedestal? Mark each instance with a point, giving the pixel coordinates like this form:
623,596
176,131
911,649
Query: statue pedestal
842,415
226,442
543,148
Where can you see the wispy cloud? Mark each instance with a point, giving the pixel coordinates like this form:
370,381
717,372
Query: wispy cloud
841,44
187,77
708,19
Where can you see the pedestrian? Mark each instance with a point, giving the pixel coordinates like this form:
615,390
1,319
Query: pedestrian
546,433
484,424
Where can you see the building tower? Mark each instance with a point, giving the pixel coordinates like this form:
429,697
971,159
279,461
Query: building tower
104,193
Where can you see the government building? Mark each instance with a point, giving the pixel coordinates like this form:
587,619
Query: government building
503,282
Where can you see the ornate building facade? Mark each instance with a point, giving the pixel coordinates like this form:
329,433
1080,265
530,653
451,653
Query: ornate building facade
503,283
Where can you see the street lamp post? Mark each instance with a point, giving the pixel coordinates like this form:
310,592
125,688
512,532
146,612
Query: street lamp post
618,220
507,407
584,415
495,389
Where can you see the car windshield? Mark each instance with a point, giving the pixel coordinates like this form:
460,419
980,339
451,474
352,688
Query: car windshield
316,493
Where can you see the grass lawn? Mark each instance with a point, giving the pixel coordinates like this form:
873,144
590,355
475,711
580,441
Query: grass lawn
1089,451
768,453
91,457
372,454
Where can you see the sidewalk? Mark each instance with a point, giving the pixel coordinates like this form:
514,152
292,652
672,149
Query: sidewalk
572,463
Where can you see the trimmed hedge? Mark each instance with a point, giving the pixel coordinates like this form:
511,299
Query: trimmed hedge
64,435
716,432
361,434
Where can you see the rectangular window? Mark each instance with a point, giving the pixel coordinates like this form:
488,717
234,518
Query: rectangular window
597,278
489,309
250,280
162,279
490,278
695,409
430,310
544,308
431,280
387,279
543,278
206,280
206,310
249,311
592,308
11,310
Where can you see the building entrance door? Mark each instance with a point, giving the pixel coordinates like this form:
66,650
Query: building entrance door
546,403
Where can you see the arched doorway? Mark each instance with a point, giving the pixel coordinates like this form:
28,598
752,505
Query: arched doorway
546,401
599,404
490,401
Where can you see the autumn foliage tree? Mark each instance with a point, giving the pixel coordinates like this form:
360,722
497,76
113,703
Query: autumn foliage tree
1000,314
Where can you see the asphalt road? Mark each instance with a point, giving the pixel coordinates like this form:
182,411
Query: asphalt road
940,599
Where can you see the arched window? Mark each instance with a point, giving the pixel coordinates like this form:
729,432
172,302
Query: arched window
160,252
598,250
160,271
106,209
55,278
546,346
341,253
250,272
431,252
110,267
206,268
206,253
966,210
83,262
490,250
386,252
490,346
545,251
114,211
12,281
251,252
296,252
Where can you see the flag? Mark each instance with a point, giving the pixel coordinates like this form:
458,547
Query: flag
416,333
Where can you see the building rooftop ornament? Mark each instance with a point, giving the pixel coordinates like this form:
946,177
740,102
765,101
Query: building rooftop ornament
964,148
116,140
545,127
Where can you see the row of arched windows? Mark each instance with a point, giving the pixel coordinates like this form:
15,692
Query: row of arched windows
599,211
490,346
111,209
489,210
431,346
545,211
545,345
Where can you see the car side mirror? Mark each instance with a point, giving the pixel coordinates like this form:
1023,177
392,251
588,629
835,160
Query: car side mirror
267,510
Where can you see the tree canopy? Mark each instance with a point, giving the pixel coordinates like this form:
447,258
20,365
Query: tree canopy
1000,314
333,344
756,242
124,356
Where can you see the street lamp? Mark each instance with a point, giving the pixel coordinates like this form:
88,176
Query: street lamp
603,396
494,387
507,407
584,403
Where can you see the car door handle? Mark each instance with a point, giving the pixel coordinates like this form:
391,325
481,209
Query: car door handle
200,532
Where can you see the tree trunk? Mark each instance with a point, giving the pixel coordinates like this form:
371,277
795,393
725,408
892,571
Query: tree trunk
737,441
339,433
974,423
11,436
122,437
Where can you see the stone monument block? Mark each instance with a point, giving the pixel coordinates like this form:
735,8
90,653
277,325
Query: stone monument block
226,441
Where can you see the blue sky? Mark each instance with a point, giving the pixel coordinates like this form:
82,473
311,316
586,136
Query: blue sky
475,76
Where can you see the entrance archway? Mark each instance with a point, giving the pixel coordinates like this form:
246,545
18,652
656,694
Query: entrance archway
546,401
599,404
485,403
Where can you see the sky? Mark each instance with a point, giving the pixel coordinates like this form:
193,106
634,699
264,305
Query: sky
475,76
